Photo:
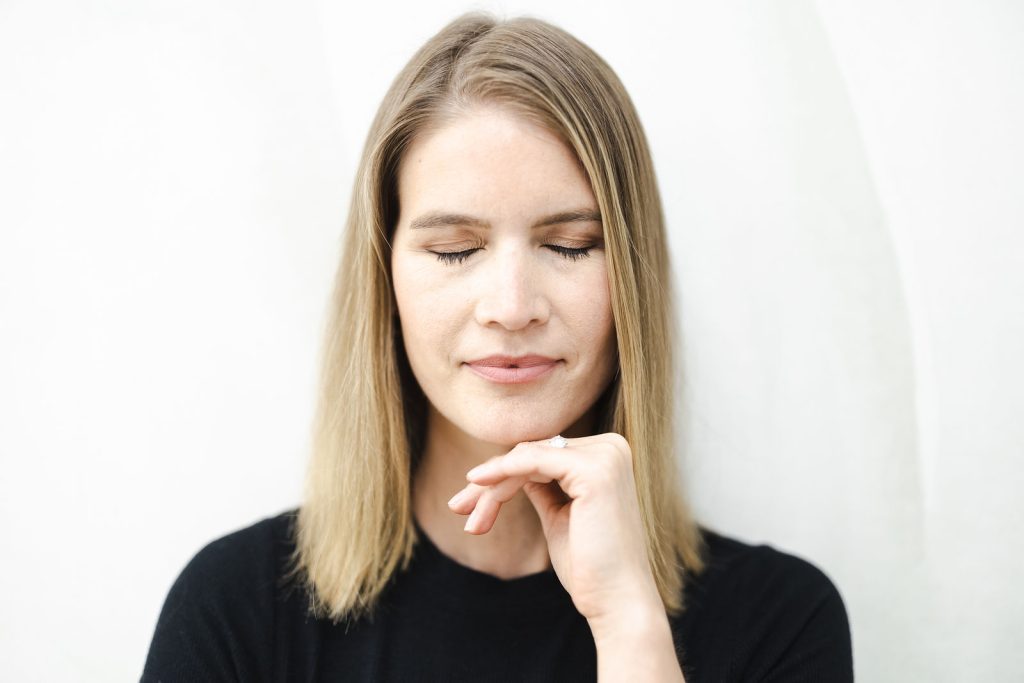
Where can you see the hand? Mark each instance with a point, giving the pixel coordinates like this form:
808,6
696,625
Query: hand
585,496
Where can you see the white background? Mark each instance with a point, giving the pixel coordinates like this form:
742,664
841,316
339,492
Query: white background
844,193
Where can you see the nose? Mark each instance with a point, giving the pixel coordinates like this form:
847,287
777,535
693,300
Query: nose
511,292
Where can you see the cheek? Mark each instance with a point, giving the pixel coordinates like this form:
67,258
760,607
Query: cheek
409,306
412,288
425,314
604,343
586,307
417,328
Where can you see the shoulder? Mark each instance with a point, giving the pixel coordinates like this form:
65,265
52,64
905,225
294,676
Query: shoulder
763,571
242,555
781,614
217,619
238,569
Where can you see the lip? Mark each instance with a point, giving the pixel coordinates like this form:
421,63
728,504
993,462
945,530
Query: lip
499,369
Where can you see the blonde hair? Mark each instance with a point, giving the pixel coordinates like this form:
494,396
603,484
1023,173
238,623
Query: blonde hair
355,530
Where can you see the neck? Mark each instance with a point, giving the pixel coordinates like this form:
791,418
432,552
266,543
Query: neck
514,547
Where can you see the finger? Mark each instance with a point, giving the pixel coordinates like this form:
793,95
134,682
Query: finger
548,462
547,499
504,490
486,511
464,501
483,516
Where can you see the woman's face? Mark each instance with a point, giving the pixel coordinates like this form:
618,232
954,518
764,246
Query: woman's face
501,281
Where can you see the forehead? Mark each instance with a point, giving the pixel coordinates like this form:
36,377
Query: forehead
494,162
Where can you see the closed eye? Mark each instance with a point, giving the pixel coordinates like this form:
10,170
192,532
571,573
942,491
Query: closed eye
571,253
454,256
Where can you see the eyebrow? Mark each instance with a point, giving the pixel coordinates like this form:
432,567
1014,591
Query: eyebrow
440,219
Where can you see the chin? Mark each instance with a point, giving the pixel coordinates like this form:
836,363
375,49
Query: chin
510,437
508,432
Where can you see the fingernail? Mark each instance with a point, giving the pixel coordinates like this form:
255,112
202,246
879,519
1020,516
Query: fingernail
458,498
476,471
471,522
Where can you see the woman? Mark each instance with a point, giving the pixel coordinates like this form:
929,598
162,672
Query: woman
501,331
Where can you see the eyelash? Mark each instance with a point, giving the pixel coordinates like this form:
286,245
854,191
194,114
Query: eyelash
460,256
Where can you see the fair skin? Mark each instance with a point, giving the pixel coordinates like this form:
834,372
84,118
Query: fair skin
525,274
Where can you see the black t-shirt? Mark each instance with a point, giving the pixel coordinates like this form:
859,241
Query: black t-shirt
754,614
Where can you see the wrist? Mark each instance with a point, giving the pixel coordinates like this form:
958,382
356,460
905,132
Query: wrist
636,645
632,621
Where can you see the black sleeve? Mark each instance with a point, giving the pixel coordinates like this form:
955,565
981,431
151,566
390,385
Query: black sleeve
217,621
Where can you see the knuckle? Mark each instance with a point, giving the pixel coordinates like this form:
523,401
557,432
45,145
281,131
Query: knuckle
609,468
618,440
522,452
619,449
520,460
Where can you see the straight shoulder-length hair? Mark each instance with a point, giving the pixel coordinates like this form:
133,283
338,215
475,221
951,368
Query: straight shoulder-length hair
354,530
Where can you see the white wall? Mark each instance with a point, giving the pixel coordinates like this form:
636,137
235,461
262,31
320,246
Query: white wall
843,186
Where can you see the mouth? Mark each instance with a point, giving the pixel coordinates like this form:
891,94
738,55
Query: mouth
513,369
